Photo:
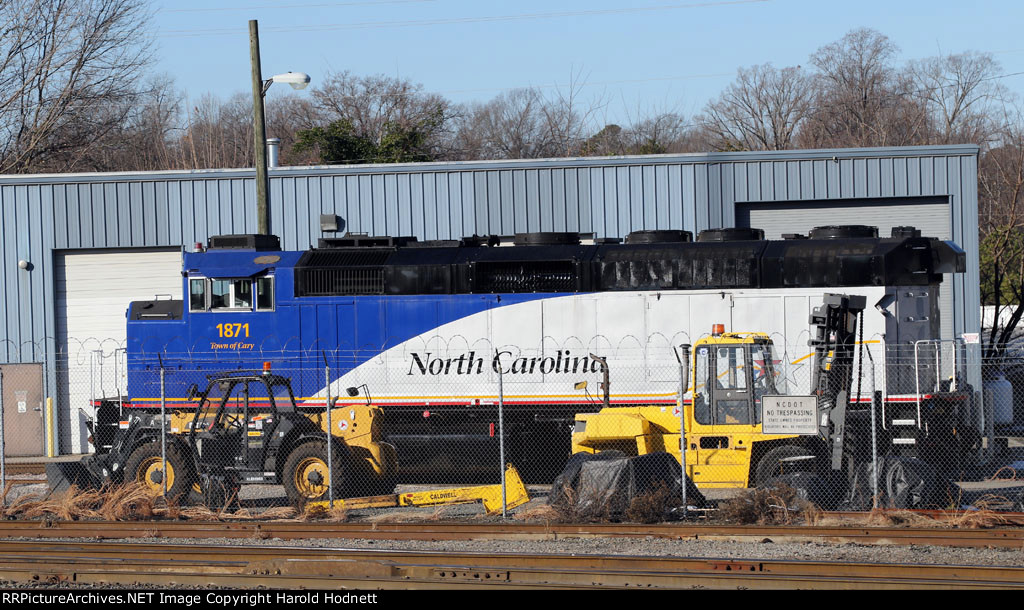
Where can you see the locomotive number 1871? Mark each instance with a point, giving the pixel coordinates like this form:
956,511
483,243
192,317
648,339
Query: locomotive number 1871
233,330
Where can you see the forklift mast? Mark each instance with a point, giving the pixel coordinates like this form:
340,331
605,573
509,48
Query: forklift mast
834,339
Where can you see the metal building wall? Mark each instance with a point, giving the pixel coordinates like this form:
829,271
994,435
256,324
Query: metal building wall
608,196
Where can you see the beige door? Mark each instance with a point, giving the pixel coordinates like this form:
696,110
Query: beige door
22,397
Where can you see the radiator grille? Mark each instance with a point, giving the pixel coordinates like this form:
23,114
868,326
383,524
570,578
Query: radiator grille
530,276
324,282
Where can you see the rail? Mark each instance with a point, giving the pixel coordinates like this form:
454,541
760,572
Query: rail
291,567
1001,537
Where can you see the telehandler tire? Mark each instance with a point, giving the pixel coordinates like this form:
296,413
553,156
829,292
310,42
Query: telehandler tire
305,473
144,466
773,463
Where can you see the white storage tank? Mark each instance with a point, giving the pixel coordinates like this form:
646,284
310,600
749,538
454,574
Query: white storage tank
999,398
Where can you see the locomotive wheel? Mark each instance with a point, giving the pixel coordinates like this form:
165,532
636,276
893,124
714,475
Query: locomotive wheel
773,463
305,473
144,466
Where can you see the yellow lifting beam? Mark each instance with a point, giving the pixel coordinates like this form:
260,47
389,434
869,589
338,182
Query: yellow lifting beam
489,495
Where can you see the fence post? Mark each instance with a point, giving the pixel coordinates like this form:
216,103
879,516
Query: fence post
501,439
875,397
684,366
51,439
3,445
163,432
330,433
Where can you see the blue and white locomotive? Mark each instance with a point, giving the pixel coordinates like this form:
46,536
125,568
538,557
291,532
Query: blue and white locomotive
426,329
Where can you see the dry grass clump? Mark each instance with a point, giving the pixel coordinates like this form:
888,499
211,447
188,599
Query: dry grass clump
541,512
22,504
1006,473
571,510
983,518
978,519
129,501
116,503
279,512
439,513
778,505
394,518
888,517
652,507
200,513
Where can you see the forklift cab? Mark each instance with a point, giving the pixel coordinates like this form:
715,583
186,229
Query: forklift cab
732,371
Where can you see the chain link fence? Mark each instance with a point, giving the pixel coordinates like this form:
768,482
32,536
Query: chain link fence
930,425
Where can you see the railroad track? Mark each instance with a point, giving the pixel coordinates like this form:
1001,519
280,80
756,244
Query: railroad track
1011,538
24,468
288,567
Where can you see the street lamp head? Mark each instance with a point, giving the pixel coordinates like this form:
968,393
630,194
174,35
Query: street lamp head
298,80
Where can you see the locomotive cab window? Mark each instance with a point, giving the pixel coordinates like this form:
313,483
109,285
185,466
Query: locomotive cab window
265,293
234,294
231,294
197,294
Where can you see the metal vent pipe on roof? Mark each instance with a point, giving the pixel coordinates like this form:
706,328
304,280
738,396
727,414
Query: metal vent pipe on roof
273,149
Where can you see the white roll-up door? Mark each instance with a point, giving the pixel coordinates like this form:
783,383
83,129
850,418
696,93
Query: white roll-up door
93,290
929,214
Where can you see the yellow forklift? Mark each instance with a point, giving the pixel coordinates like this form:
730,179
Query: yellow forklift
726,446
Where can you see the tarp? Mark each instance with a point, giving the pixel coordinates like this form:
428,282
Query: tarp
602,485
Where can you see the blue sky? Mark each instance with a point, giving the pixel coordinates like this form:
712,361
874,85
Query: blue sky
639,57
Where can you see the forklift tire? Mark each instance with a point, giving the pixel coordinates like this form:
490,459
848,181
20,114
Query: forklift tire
305,473
772,464
143,466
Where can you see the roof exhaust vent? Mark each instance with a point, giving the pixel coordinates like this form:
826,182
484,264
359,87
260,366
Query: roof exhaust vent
844,232
255,242
659,237
547,239
731,234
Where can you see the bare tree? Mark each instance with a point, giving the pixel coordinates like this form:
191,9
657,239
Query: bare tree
761,110
961,94
67,67
1001,224
148,136
568,118
466,138
526,124
611,140
861,98
663,133
377,106
218,134
286,117
514,125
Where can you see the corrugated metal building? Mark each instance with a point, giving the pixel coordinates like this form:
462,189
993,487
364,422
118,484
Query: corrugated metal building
76,247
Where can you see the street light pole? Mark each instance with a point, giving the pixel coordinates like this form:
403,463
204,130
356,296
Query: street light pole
260,129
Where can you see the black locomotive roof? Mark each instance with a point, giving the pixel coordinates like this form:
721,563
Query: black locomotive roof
481,265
